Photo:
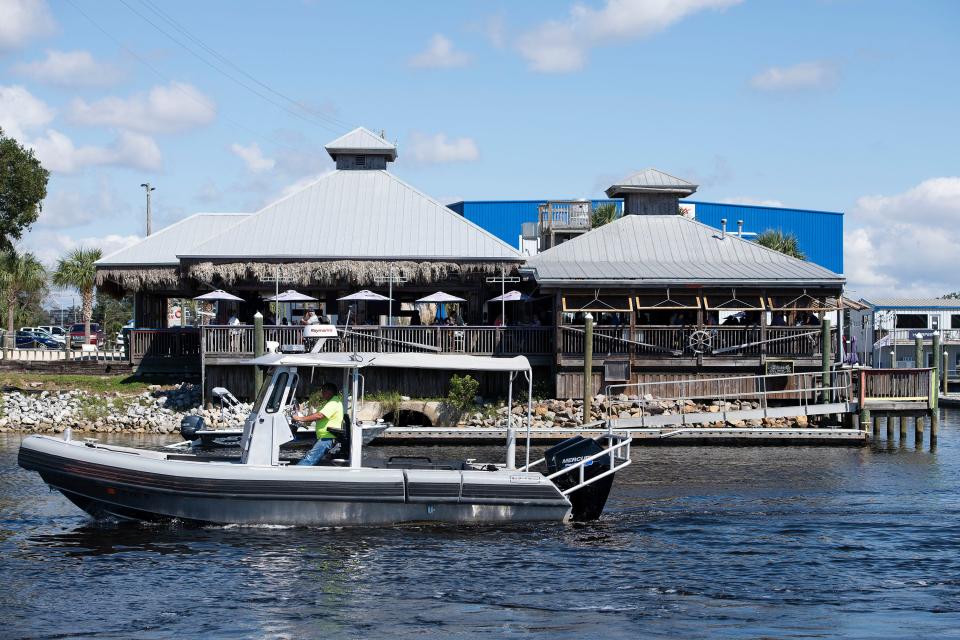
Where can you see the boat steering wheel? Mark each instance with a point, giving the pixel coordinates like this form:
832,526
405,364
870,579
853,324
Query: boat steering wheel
700,341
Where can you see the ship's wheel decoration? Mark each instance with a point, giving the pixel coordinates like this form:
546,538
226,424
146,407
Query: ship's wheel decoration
700,341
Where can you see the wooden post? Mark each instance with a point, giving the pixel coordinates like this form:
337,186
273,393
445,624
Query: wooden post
876,426
918,352
587,366
890,420
825,356
257,351
937,369
865,419
918,432
903,430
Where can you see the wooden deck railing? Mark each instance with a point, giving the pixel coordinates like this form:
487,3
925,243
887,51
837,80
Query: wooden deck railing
163,343
893,384
673,341
238,341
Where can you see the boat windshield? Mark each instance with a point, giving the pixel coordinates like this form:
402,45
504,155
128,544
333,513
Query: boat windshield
279,387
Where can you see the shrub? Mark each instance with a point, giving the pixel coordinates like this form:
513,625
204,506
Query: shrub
463,390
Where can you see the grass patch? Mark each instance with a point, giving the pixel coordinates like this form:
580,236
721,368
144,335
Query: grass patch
69,382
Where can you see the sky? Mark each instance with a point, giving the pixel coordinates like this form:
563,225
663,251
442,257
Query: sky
224,106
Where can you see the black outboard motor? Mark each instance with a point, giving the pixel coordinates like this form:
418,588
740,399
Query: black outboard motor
189,427
588,502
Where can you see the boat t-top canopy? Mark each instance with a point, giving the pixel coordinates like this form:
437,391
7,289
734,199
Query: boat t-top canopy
392,360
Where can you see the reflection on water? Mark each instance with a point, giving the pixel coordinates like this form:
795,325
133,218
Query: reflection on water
697,542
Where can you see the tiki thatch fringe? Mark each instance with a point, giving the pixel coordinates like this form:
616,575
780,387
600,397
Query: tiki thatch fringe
136,278
349,272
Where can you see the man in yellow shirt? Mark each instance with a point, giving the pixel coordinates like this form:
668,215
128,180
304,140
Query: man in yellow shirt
329,415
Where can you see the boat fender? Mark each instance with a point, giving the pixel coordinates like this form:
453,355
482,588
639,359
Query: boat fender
189,427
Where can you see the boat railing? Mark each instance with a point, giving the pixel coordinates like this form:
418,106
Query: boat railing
617,450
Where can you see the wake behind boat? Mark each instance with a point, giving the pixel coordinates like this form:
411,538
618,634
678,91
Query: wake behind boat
572,480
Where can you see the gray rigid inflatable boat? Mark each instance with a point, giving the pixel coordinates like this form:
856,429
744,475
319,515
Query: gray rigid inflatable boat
259,488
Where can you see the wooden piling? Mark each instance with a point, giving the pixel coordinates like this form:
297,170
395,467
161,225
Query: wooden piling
903,430
876,426
865,421
918,432
918,351
935,390
257,351
587,367
890,429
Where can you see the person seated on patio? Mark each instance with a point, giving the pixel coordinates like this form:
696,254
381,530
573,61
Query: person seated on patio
498,322
308,318
285,321
314,317
329,415
233,320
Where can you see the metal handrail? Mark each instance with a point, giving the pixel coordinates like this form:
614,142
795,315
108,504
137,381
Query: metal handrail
580,465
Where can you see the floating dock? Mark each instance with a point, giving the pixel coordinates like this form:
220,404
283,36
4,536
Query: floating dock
669,437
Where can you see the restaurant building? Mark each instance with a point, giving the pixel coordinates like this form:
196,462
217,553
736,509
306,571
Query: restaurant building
671,296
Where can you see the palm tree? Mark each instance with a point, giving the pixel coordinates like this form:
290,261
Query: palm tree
604,214
79,270
785,243
20,273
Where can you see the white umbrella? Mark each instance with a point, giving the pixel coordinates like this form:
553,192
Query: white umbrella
511,296
219,294
440,296
291,296
365,295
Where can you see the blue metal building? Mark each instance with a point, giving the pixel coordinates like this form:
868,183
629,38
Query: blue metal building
820,233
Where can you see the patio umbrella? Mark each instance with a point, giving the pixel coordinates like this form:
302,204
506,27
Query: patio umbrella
365,295
289,296
509,296
368,296
440,296
218,295
441,299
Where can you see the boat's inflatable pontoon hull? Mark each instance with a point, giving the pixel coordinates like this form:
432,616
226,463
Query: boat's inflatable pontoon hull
133,484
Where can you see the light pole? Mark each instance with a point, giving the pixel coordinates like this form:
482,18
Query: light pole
146,186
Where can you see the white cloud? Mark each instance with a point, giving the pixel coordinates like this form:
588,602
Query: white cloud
438,149
70,69
21,111
802,76
70,208
559,46
58,153
171,108
253,157
22,115
905,244
758,202
49,246
439,54
23,20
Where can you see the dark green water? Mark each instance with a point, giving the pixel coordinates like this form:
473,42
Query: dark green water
696,543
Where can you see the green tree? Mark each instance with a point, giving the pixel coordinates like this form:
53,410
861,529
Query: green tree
79,270
604,214
21,277
785,243
23,186
111,313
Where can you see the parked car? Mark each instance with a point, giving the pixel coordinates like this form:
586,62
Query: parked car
44,331
35,340
54,330
76,335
